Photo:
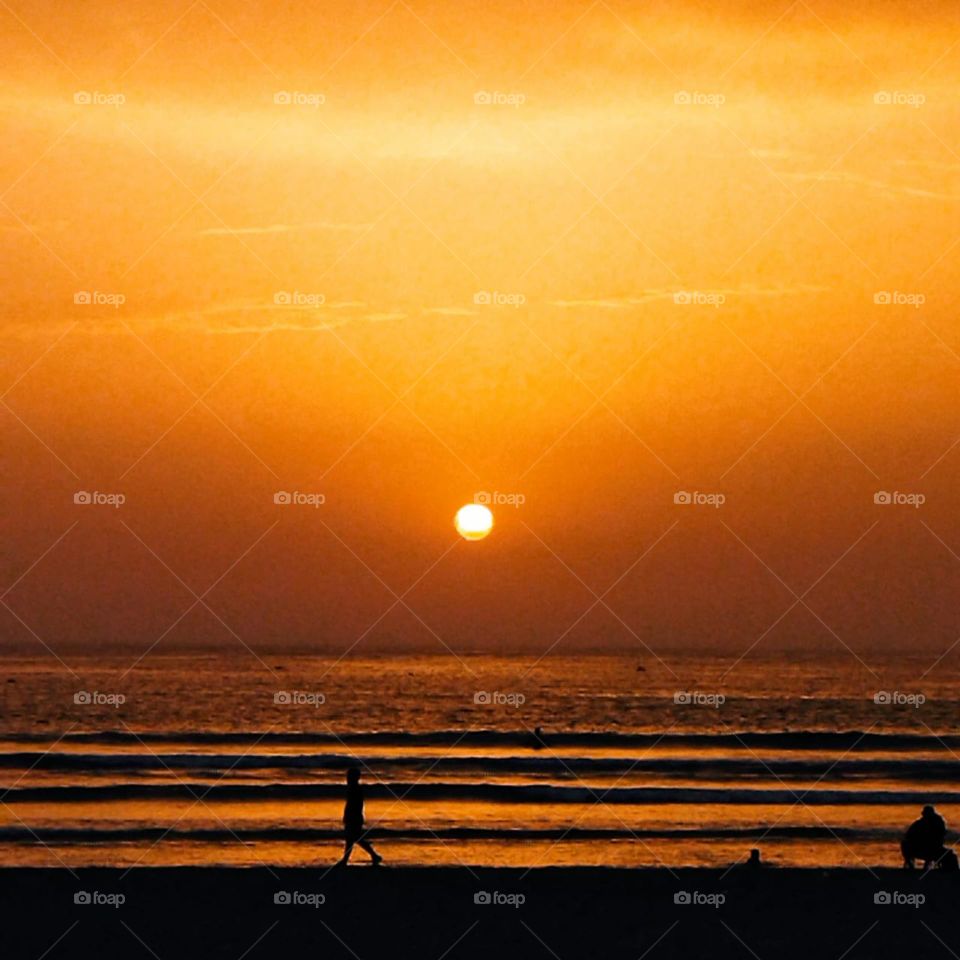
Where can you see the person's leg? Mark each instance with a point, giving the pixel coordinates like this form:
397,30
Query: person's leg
347,847
374,856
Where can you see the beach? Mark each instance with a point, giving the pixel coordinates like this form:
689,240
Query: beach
430,913
174,825
209,761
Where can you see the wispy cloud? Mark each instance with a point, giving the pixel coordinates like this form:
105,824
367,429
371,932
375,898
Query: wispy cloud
451,311
929,164
649,296
774,157
236,317
882,186
286,228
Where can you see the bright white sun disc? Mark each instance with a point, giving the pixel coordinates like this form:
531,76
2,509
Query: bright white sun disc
474,521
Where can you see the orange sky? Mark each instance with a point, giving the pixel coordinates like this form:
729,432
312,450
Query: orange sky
789,164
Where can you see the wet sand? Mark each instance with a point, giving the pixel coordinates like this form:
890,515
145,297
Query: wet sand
434,913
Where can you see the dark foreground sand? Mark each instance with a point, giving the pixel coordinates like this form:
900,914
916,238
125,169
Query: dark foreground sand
432,913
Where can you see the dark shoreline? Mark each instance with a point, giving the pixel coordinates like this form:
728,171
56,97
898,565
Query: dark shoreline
429,912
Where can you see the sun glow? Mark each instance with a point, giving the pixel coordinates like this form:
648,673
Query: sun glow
473,521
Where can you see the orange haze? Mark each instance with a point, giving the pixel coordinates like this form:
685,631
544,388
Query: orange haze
683,219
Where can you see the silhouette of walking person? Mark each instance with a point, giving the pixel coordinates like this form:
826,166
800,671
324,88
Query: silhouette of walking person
924,839
353,832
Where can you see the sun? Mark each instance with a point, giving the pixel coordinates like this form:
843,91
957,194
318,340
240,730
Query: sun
474,521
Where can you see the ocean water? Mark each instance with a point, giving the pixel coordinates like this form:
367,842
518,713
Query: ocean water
690,761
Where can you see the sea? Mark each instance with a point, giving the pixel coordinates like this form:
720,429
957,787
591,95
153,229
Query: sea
240,759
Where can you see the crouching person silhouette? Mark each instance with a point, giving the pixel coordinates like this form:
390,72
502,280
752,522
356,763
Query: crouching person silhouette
924,839
353,832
